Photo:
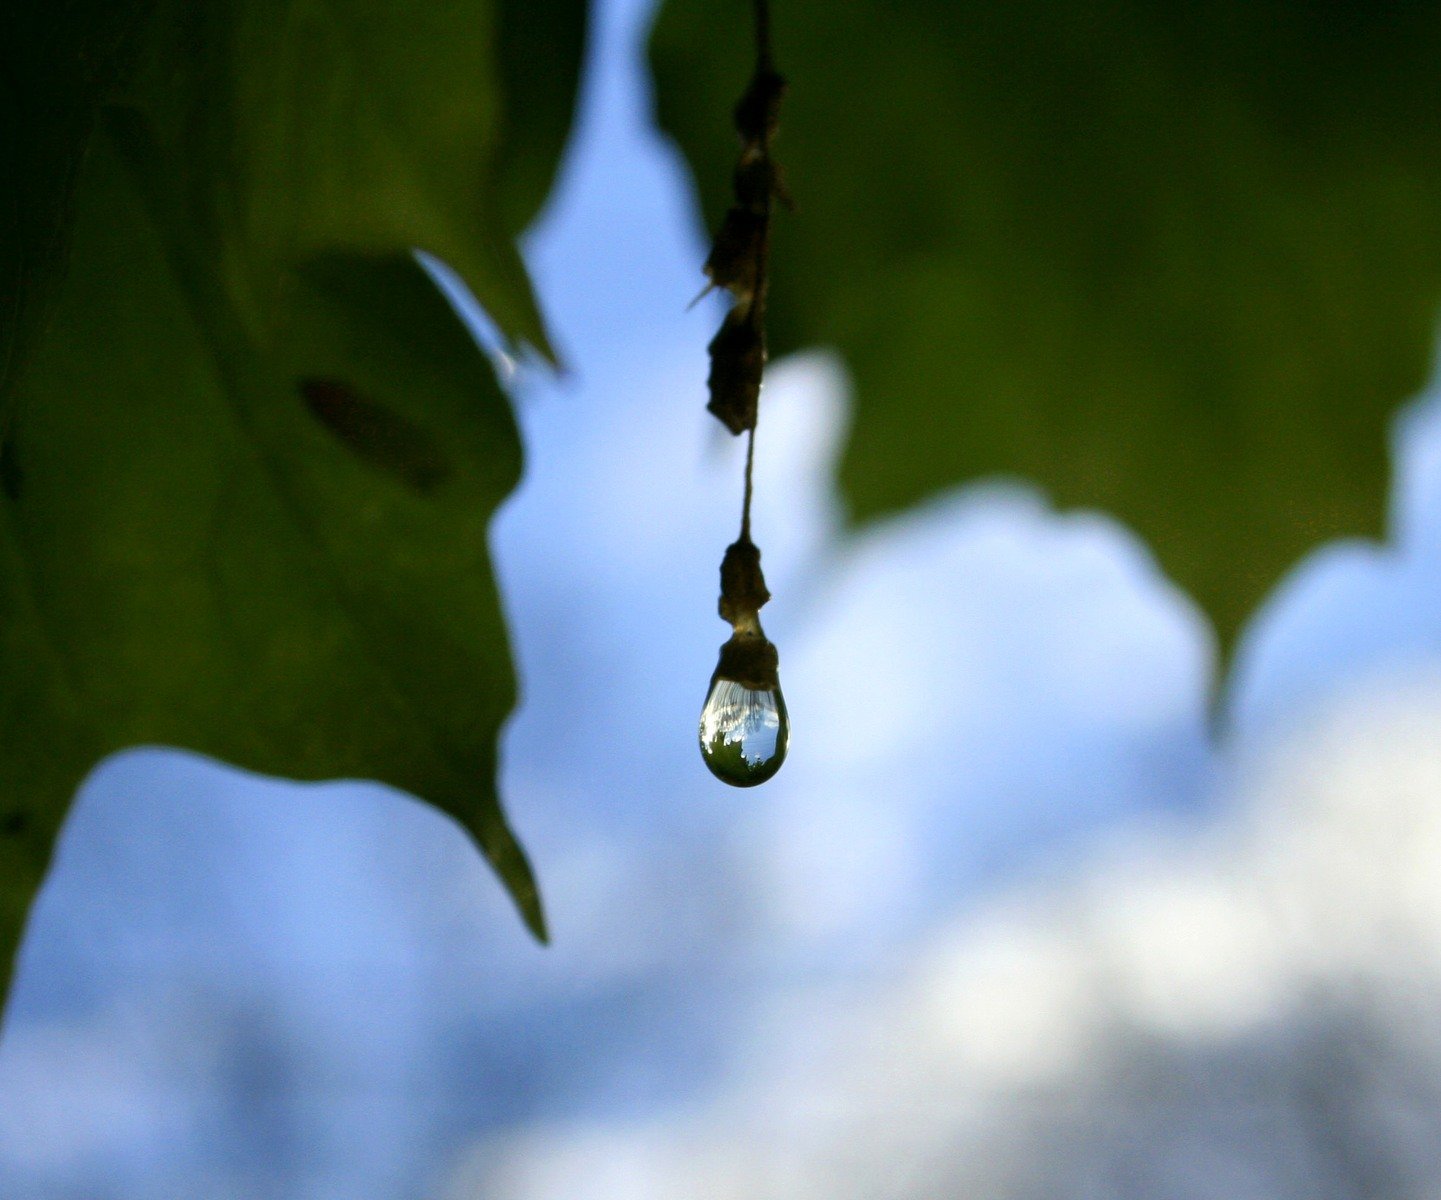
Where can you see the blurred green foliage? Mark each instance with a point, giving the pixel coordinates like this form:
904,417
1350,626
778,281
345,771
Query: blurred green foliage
1177,262
250,455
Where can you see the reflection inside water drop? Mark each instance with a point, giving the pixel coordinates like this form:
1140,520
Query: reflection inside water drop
743,732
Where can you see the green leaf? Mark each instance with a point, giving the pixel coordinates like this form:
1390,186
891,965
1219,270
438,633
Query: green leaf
1176,262
57,62
252,454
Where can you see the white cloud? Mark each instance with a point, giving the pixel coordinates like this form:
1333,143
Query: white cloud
1242,1011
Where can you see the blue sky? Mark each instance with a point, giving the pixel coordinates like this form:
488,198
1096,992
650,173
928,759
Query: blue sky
246,987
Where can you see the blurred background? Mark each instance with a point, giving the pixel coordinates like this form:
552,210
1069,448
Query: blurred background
1008,924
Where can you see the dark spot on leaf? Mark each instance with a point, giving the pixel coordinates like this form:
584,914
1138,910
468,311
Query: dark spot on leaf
11,479
14,823
377,435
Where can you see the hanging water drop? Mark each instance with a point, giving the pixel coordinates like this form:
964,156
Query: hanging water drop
743,732
744,728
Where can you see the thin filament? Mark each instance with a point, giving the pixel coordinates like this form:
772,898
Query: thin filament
746,502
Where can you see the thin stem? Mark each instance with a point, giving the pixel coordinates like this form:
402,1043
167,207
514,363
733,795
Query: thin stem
757,313
763,34
746,503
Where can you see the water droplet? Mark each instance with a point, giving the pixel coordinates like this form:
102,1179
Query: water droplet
743,732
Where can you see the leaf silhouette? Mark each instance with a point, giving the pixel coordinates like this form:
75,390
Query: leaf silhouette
250,454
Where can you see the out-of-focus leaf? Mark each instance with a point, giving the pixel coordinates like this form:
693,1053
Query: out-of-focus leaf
250,453
57,62
1178,262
